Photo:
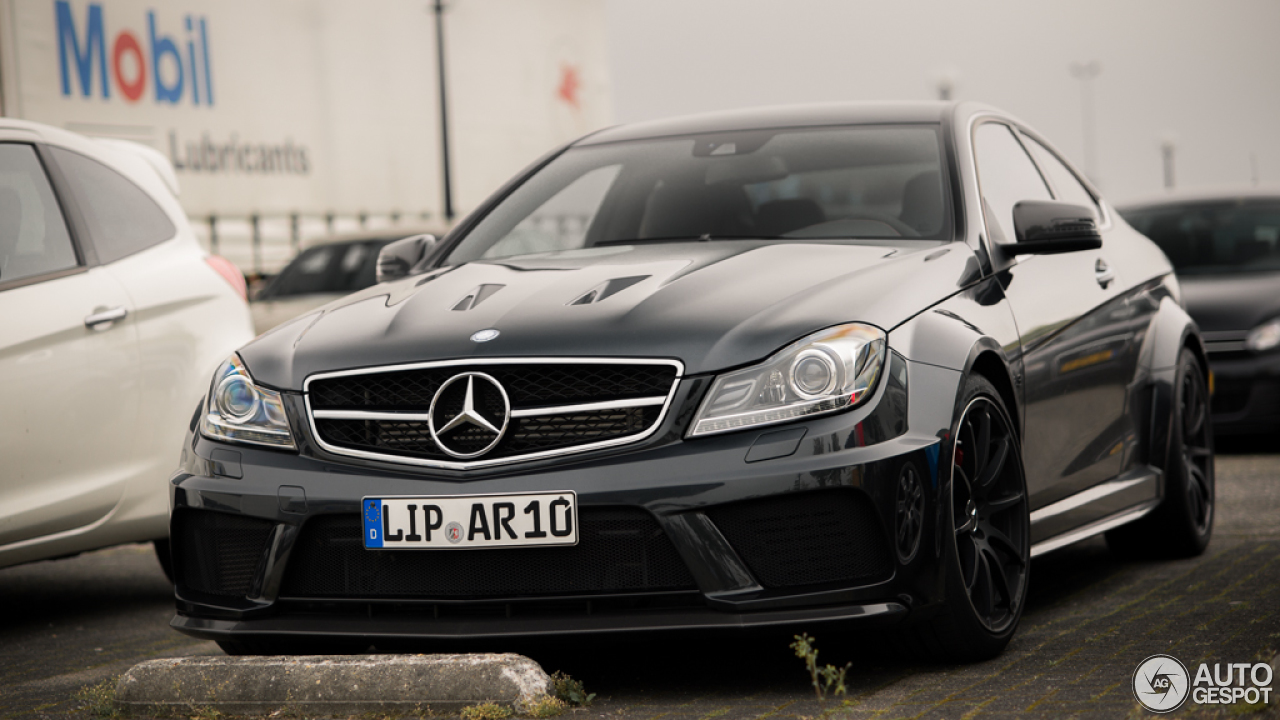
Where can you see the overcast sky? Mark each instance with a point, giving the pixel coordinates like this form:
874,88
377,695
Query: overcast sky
1205,75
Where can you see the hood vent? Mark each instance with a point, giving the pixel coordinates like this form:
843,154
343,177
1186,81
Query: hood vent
477,296
607,288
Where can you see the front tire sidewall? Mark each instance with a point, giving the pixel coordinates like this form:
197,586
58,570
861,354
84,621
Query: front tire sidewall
971,639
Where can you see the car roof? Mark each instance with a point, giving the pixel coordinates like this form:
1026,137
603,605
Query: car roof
813,115
1203,195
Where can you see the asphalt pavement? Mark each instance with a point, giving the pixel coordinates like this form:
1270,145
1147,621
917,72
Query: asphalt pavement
68,625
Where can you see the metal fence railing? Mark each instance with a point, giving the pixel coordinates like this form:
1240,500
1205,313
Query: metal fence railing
262,243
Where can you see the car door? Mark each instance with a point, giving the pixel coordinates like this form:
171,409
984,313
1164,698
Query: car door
1074,355
68,364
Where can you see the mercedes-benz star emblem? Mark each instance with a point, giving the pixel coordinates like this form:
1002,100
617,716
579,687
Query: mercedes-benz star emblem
469,414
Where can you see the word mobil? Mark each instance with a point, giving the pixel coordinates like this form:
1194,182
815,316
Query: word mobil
169,70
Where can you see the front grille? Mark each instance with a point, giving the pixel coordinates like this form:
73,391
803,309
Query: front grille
216,553
1230,396
807,538
628,400
619,550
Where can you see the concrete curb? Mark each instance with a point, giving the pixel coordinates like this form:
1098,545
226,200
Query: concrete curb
332,684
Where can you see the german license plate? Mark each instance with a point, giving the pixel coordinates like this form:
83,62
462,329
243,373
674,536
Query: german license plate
471,521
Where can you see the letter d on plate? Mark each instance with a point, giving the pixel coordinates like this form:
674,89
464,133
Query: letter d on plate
372,523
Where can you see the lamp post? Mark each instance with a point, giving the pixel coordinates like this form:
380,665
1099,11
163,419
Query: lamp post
444,113
1086,73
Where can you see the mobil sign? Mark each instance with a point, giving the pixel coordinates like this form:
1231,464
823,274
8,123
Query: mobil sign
152,56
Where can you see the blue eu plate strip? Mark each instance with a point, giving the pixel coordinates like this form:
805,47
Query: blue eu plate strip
372,522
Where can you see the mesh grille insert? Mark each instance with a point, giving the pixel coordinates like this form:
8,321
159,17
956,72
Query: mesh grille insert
619,550
807,538
218,554
528,386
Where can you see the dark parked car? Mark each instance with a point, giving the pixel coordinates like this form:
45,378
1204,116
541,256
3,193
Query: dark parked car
796,365
1225,248
320,274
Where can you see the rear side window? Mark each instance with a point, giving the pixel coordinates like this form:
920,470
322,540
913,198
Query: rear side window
122,218
33,235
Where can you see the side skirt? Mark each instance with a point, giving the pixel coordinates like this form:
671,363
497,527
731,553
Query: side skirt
1095,510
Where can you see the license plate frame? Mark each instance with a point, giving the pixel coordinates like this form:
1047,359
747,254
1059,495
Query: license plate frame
452,522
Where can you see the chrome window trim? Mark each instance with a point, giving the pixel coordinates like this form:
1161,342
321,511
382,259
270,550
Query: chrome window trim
665,401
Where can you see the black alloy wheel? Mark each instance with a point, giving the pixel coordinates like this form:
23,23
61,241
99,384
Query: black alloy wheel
1182,523
986,545
1196,451
989,515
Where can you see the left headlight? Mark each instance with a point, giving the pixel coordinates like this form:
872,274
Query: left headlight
831,370
237,410
1264,337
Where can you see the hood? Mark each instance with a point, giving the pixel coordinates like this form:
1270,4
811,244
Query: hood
712,305
1231,303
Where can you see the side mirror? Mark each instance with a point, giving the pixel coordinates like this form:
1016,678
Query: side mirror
1047,228
399,258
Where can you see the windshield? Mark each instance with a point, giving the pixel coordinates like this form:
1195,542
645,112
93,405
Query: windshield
1214,238
810,184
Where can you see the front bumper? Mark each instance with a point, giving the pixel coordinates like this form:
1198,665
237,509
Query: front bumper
1246,396
735,511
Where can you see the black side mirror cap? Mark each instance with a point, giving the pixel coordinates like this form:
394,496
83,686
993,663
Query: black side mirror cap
1047,228
398,259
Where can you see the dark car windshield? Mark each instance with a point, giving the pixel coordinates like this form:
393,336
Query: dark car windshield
340,268
810,184
1210,238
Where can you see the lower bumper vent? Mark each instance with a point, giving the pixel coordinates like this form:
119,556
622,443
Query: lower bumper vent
807,538
218,554
619,550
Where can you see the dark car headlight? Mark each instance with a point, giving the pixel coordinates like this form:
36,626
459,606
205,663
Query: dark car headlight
830,370
1264,337
237,410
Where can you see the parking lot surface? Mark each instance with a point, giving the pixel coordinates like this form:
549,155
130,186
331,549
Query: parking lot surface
67,625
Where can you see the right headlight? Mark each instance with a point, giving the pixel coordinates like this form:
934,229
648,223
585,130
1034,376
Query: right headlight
237,410
830,370
1264,337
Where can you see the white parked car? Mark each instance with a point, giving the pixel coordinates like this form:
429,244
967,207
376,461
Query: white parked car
112,317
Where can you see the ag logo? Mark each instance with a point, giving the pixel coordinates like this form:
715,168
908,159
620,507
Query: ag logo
1161,683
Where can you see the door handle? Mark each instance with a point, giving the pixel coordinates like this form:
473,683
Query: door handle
103,319
1103,272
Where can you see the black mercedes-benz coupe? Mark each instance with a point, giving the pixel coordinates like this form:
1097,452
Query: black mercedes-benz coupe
1225,247
842,363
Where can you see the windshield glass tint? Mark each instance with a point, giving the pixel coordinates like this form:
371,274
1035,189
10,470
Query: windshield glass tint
881,182
1210,238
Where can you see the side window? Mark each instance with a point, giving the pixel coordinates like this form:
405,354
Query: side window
1006,176
122,218
1065,183
33,234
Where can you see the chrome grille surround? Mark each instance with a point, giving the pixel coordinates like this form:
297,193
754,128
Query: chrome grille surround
664,401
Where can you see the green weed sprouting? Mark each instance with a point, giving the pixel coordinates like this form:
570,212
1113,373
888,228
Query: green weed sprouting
824,678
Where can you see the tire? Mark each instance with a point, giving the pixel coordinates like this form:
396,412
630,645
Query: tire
165,558
1182,523
986,535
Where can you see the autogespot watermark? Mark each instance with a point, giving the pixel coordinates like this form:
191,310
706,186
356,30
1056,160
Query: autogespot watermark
1162,683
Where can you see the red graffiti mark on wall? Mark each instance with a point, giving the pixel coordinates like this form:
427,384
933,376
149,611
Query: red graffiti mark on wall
569,84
